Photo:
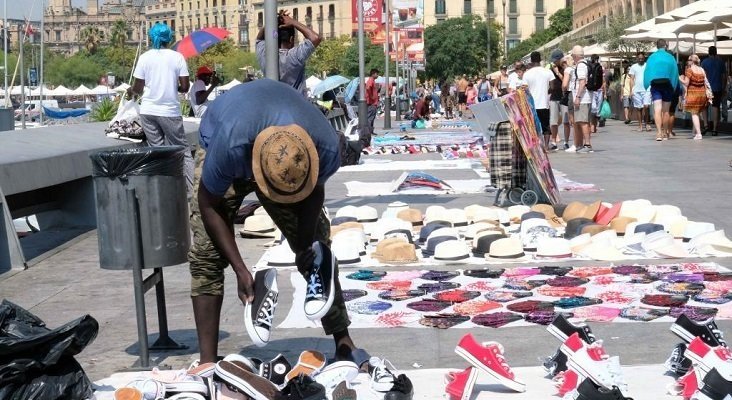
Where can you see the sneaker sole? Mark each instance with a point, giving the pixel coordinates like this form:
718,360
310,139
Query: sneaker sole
511,384
187,387
331,297
336,373
557,333
242,384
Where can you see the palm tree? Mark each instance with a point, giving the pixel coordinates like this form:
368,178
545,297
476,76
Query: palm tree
92,37
119,30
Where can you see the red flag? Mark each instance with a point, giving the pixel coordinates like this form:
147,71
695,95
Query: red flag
28,29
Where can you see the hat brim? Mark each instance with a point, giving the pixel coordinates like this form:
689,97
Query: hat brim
261,177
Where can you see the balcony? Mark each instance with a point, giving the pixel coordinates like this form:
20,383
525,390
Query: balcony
515,33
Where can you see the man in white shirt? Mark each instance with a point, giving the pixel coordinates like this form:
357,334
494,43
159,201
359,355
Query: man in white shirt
160,75
641,94
538,78
581,98
198,95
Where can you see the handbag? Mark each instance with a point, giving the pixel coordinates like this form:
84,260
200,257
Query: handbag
708,88
605,111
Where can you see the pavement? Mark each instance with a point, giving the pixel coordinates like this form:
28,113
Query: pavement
693,175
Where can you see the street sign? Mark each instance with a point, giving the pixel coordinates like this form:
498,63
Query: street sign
32,76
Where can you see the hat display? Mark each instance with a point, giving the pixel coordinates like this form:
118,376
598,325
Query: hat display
285,163
367,214
574,227
430,227
393,208
346,225
258,226
357,236
607,236
602,251
378,230
434,213
451,250
712,242
394,251
694,229
429,249
411,215
641,209
482,244
473,229
347,211
281,256
340,220
506,248
347,251
531,237
619,224
515,212
665,210
579,242
673,224
456,216
648,228
607,213
577,209
552,247
593,228
664,244
405,234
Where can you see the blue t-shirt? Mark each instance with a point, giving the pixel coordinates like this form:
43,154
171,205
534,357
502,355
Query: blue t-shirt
661,67
233,121
714,68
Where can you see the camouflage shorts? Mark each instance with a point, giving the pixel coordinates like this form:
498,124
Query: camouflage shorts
207,264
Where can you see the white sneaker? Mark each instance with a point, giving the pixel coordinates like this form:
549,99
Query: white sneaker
590,361
571,149
382,378
150,389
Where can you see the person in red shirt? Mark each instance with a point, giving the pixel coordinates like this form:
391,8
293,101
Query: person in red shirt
421,111
372,96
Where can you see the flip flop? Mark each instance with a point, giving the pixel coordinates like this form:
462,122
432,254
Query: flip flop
309,362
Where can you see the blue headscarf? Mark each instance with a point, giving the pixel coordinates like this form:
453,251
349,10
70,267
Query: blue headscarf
160,34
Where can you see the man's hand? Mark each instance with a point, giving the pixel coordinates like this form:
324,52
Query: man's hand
215,81
245,286
304,259
285,20
129,94
576,102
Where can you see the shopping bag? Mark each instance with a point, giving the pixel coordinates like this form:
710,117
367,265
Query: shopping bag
128,110
605,111
126,123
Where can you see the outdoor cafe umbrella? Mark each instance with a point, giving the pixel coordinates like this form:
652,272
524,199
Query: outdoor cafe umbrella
198,41
60,90
329,83
312,81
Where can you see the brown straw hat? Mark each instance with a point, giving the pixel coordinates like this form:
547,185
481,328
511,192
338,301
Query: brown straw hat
285,163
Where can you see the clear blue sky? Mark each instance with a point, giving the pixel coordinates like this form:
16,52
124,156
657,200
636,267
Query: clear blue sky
22,8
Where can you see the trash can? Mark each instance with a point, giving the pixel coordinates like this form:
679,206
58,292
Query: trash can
145,184
7,119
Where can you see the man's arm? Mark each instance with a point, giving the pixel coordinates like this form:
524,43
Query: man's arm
136,89
309,34
184,84
221,234
202,95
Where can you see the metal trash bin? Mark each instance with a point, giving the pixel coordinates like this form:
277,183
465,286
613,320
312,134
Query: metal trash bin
155,177
7,119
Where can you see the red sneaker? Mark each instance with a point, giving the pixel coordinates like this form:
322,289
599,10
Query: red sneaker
687,385
589,360
706,357
566,382
460,386
488,357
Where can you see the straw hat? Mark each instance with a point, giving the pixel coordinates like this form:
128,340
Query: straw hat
602,251
346,225
673,224
340,220
355,235
367,214
347,251
663,244
384,225
260,211
260,226
473,209
405,234
665,210
482,245
648,228
473,229
577,209
515,212
451,250
434,213
347,211
456,216
607,236
580,242
553,248
641,209
411,215
607,213
717,240
395,251
549,214
694,229
506,248
619,224
281,256
574,227
393,208
593,228
285,163
430,227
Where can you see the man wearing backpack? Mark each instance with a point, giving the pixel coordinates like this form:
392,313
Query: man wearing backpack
581,99
596,86
662,75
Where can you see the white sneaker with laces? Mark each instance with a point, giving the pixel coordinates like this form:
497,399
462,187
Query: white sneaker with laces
571,149
382,377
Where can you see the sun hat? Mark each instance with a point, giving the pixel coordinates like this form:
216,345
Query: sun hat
340,220
367,214
411,215
579,242
533,215
482,245
607,236
574,227
486,214
665,210
648,228
444,231
378,230
531,236
559,210
619,224
607,213
471,210
393,208
632,243
506,248
434,213
593,228
715,241
673,224
578,209
641,209
258,226
429,249
602,251
549,214
346,251
473,229
694,229
353,234
285,163
451,250
456,216
515,212
552,247
394,250
346,225
663,244
405,234
347,211
430,227
281,256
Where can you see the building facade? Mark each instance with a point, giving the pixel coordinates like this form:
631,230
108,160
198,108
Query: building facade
232,15
64,23
590,16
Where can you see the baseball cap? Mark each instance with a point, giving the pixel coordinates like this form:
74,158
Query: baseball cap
204,70
556,55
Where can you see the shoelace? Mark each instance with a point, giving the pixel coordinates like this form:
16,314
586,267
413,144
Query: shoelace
381,371
314,286
589,333
718,334
266,313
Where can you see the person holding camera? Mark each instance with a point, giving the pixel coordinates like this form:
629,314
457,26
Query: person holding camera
198,95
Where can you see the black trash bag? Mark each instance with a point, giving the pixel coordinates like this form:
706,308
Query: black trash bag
36,363
145,161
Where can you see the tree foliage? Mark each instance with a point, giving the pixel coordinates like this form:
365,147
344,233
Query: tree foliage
458,46
611,36
328,57
118,33
91,37
373,58
559,23
229,57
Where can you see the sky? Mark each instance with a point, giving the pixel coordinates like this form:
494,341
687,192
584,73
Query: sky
22,8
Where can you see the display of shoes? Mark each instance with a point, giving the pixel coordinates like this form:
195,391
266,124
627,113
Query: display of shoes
401,390
589,360
251,384
382,374
335,373
309,363
302,387
461,384
488,357
556,363
705,358
343,392
708,331
562,329
259,314
677,362
716,387
320,283
275,370
588,390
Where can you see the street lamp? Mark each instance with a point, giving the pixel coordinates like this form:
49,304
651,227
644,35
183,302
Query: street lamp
488,35
505,38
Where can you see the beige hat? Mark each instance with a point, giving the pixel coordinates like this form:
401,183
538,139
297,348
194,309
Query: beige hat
451,250
664,211
506,248
411,215
473,229
515,212
366,214
285,163
346,250
619,224
549,214
353,234
346,225
602,251
577,209
258,226
673,224
594,229
388,224
434,213
641,209
553,248
486,214
456,216
471,210
395,251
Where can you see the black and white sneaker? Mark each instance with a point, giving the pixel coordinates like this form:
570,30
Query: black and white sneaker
259,314
401,390
320,282
562,329
677,362
708,331
587,390
715,387
275,370
556,363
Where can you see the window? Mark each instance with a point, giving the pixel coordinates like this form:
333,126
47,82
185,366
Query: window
58,36
172,25
224,20
439,6
223,3
512,7
512,43
539,24
294,13
331,11
206,3
491,6
260,21
513,25
190,5
198,23
216,20
129,35
320,15
540,6
206,21
214,3
467,7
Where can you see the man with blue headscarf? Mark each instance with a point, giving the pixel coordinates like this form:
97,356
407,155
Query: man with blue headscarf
160,74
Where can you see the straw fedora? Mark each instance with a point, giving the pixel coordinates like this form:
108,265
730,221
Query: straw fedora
281,256
504,217
411,215
457,217
405,234
641,209
506,248
663,244
515,212
341,220
579,242
648,228
434,213
393,208
553,248
602,251
366,214
430,227
451,250
471,210
673,224
607,236
574,227
619,224
347,251
347,211
577,209
258,226
486,214
473,229
665,210
344,226
694,229
353,234
532,215
593,228
482,245
285,163
394,251
607,213
549,214
378,230
715,241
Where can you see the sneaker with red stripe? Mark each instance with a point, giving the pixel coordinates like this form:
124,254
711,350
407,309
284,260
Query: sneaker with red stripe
706,357
686,385
461,384
589,360
566,381
488,357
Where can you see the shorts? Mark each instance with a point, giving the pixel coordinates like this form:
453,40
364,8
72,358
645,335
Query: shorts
663,92
641,99
626,101
462,98
555,113
543,115
582,114
717,98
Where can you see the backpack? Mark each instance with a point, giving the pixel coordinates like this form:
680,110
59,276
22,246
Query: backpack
594,76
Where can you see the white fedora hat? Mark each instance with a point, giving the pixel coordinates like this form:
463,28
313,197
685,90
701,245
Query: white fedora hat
260,211
472,230
355,235
664,245
434,213
515,212
452,250
665,211
366,214
553,248
713,243
260,226
392,209
602,251
346,251
379,229
580,242
281,256
506,249
347,211
457,217
641,209
694,229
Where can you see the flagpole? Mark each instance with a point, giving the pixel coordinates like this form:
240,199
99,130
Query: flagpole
5,50
43,17
21,38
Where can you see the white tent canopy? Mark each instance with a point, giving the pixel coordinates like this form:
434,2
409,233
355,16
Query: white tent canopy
81,91
312,81
100,90
230,85
17,90
60,90
37,91
122,88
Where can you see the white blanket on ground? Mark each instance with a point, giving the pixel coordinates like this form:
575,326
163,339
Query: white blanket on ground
459,186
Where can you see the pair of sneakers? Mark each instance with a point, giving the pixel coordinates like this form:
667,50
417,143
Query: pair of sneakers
319,296
386,380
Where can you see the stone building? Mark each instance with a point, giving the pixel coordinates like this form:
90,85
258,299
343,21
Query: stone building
590,16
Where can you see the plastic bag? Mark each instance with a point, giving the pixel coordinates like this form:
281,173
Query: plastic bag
605,111
126,123
36,363
420,124
145,161
128,110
